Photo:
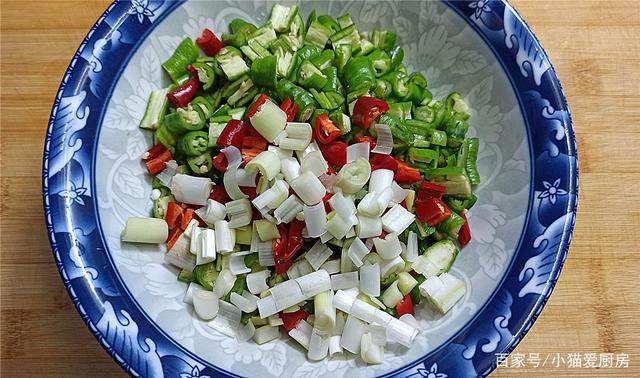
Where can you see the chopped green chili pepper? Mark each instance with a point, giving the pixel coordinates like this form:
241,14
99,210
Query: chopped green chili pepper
381,62
345,20
422,155
194,143
282,17
185,54
333,82
382,89
231,63
358,73
329,22
200,164
384,40
328,100
397,55
317,34
398,128
348,36
265,36
309,76
439,138
263,71
364,48
323,60
206,275
401,110
183,120
206,75
470,163
343,54
305,101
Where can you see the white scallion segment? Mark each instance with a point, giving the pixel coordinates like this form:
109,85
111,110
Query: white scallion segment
302,333
388,267
313,146
314,162
299,269
308,188
343,206
231,183
423,265
345,281
245,178
285,295
384,200
443,291
281,152
368,227
179,255
188,294
389,247
325,312
369,242
412,247
273,196
257,282
331,266
326,237
392,295
357,252
145,230
205,303
338,226
298,136
156,193
245,332
243,303
191,189
354,328
214,211
377,302
384,142
406,282
371,352
225,237
334,345
288,209
293,291
316,219
236,264
314,283
166,175
267,231
363,311
224,283
206,245
370,279
329,181
380,180
410,320
358,150
227,321
369,206
267,163
318,346
346,265
265,334
401,332
317,255
399,194
267,307
290,168
275,320
397,219
269,121
239,212
354,176
265,254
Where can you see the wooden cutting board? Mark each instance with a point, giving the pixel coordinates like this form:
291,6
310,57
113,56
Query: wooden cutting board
595,48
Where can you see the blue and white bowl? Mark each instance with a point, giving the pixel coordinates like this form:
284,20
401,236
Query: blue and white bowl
93,180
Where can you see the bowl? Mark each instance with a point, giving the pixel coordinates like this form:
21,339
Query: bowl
93,180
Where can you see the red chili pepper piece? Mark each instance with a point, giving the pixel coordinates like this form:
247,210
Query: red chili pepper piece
290,108
405,306
366,138
325,200
255,142
295,241
335,153
173,237
173,214
432,211
182,96
406,174
220,162
367,109
187,216
251,192
209,43
380,161
233,134
256,105
159,163
218,194
326,131
291,319
464,235
428,190
154,152
279,251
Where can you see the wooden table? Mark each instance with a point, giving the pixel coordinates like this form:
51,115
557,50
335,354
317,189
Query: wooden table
595,47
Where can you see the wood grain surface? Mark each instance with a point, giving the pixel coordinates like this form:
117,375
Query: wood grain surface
595,308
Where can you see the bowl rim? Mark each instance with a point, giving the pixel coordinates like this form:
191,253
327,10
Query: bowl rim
530,74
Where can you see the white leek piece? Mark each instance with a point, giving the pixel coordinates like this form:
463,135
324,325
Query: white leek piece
369,205
363,311
443,291
191,189
401,332
230,181
369,242
399,194
267,163
166,175
225,237
370,279
214,211
397,219
245,332
247,304
224,283
308,188
326,237
265,254
329,181
325,312
269,120
239,212
188,294
368,227
318,346
384,200
288,209
406,282
233,155
281,152
302,333
384,142
338,226
265,334
357,252
380,180
316,219
275,320
275,194
313,146
346,265
358,150
354,328
331,266
410,320
285,295
388,267
267,231
412,247
389,247
318,254
353,176
315,163
245,178
290,168
288,293
205,304
377,302
392,295
237,265
257,282
371,352
227,321
334,345
343,206
179,255
345,281
193,225
206,251
314,283
298,136
299,268
145,230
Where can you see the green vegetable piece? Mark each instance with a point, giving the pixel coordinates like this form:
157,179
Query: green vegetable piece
343,54
398,128
206,275
231,63
422,155
381,62
186,276
282,17
309,76
305,101
201,164
401,110
384,40
317,34
345,20
323,60
183,120
185,54
382,89
451,226
329,23
194,143
264,71
348,36
358,74
156,107
439,138
265,36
